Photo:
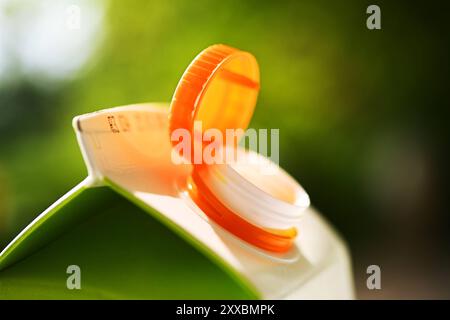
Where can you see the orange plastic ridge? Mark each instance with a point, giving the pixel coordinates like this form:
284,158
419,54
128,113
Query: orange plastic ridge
273,240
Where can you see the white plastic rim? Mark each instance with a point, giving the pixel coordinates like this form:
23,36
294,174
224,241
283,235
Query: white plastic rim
291,256
258,190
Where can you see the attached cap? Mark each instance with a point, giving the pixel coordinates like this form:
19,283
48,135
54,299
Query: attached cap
219,88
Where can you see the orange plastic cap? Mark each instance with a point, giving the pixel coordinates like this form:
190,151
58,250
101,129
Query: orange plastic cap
219,88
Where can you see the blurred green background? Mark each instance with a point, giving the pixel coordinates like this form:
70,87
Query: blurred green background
362,113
